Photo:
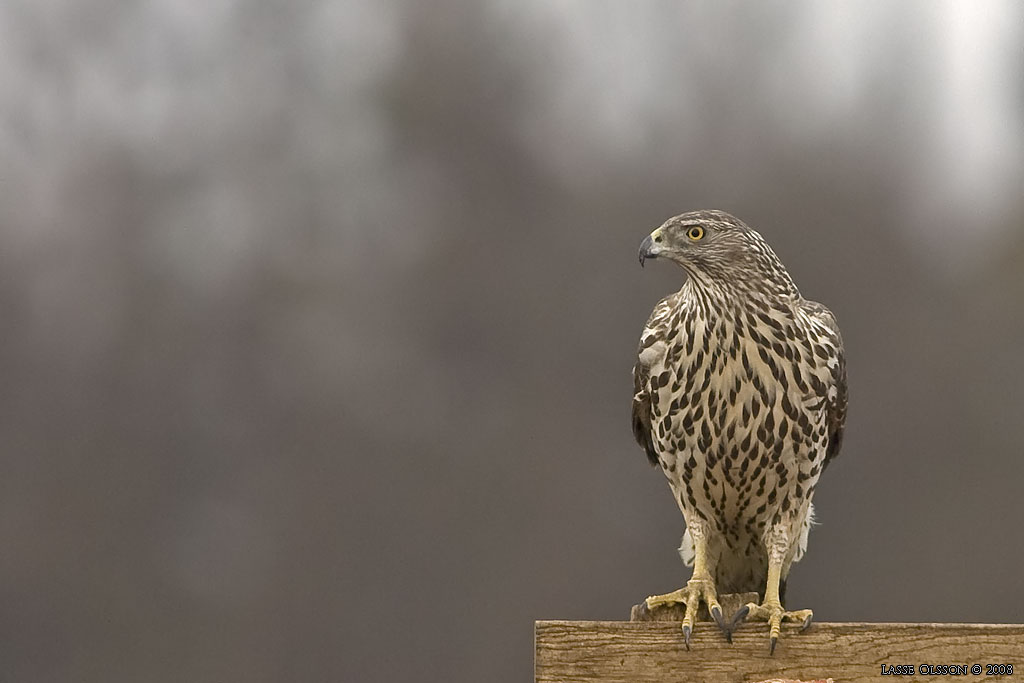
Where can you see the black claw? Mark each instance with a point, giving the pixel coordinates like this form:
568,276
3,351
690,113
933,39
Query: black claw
807,623
771,647
740,615
686,635
716,614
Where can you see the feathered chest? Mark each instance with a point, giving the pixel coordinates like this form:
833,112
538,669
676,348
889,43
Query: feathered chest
736,401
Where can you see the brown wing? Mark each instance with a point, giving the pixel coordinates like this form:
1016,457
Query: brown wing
834,392
642,412
654,331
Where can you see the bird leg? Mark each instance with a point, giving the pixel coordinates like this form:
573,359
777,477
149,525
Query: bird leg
701,586
770,609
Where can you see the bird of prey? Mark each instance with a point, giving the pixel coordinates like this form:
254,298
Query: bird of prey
740,397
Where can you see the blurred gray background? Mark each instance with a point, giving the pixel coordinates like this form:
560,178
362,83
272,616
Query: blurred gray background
318,317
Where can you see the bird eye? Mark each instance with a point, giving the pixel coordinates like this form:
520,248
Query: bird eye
695,233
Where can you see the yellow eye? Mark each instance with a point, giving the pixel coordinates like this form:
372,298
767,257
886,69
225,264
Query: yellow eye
695,233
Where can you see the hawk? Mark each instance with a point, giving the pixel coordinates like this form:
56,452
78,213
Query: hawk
740,397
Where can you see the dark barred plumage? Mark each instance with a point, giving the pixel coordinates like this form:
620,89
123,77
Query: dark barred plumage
740,397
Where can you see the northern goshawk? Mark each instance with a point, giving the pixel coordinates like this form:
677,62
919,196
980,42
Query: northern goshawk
740,397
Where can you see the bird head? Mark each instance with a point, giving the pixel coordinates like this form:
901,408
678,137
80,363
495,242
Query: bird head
717,249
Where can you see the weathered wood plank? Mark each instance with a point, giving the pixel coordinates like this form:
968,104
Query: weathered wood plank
653,651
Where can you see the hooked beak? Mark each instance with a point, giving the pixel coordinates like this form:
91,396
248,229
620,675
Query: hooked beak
648,249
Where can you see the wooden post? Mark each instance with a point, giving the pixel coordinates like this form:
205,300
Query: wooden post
653,651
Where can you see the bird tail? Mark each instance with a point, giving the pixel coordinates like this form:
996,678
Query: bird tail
738,573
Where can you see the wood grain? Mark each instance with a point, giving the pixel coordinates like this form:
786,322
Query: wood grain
653,651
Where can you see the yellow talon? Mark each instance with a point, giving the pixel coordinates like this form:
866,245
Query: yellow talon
774,614
696,590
